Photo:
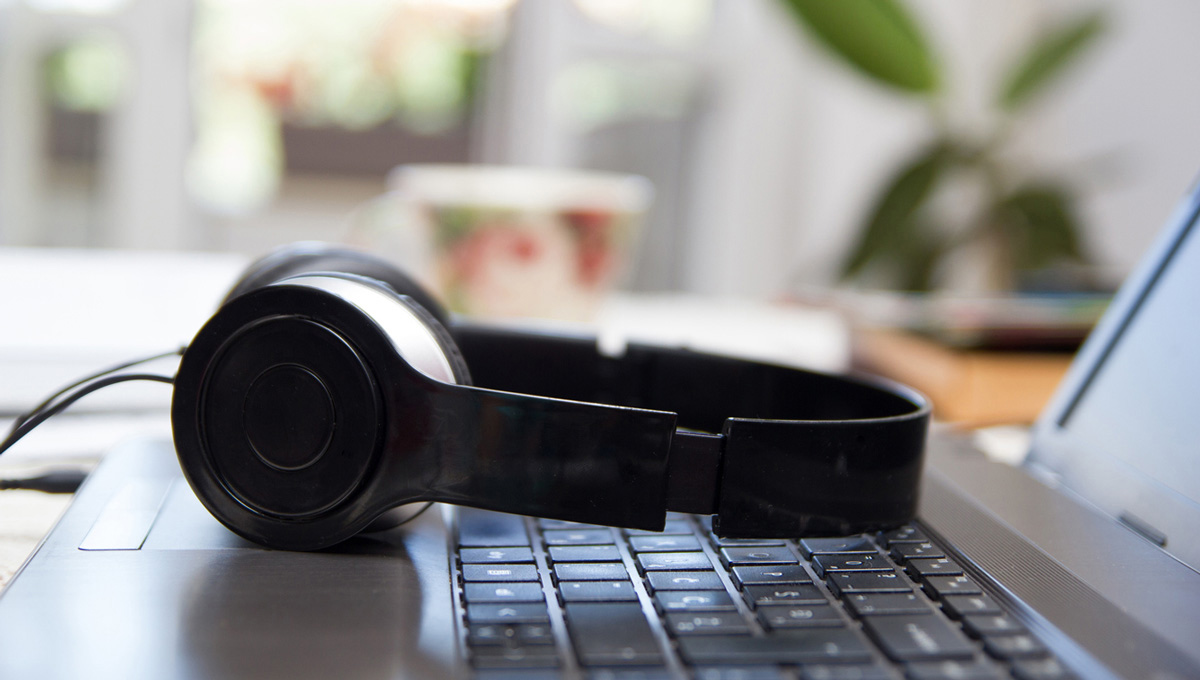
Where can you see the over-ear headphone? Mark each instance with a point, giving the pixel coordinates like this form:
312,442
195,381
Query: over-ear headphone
329,388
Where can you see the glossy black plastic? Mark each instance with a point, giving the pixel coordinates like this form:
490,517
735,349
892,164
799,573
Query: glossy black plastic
297,423
412,439
798,452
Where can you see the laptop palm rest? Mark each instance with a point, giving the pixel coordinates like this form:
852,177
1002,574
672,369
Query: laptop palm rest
193,599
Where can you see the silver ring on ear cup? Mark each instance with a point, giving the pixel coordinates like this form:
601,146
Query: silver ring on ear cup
299,259
414,332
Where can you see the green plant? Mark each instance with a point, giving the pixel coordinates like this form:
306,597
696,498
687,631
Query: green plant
1027,222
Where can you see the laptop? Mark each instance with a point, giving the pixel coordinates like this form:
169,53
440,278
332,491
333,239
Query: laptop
1080,563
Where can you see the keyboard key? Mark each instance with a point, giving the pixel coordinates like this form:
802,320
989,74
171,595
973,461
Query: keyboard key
742,542
739,673
590,571
534,634
844,544
783,594
886,604
585,553
941,586
672,526
669,543
562,524
684,580
801,646
1020,646
514,657
648,673
761,555
1040,669
517,674
958,606
485,529
578,537
507,613
597,591
499,572
940,566
953,670
694,601
872,672
905,534
495,555
924,637
907,551
520,635
675,561
778,617
611,634
982,624
851,562
868,582
477,593
769,575
710,623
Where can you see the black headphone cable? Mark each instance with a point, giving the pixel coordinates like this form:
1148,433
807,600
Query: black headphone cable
66,481
21,419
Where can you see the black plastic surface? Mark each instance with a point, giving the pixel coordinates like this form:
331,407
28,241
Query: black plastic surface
799,452
399,436
298,423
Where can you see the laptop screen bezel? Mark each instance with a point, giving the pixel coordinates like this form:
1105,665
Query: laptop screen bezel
1057,449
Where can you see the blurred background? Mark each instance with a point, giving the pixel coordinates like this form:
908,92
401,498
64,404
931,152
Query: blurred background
1015,157
236,125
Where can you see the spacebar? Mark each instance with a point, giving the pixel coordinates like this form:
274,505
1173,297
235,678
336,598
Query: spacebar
611,633
800,647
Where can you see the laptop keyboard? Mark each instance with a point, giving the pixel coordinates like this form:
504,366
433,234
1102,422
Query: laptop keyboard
550,599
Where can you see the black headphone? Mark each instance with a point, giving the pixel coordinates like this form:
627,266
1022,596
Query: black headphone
329,388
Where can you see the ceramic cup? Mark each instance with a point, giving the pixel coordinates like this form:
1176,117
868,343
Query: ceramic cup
497,241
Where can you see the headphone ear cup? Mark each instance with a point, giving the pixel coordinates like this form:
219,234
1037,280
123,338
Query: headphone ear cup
312,257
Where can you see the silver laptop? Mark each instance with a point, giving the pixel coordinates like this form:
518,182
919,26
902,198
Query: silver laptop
1081,563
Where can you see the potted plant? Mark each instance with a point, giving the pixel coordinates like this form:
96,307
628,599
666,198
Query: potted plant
1025,221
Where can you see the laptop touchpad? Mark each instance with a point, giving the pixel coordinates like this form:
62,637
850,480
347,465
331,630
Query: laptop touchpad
128,515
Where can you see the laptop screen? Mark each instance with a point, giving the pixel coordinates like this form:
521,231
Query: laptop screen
1127,433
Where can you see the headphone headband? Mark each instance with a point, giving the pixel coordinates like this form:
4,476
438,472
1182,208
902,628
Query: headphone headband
791,451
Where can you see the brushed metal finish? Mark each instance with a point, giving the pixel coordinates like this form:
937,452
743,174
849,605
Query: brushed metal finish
411,337
196,601
1125,601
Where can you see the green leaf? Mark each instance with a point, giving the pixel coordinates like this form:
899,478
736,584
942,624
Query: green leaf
878,37
1041,225
893,231
1048,57
918,262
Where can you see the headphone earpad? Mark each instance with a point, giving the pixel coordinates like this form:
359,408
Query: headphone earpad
310,258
